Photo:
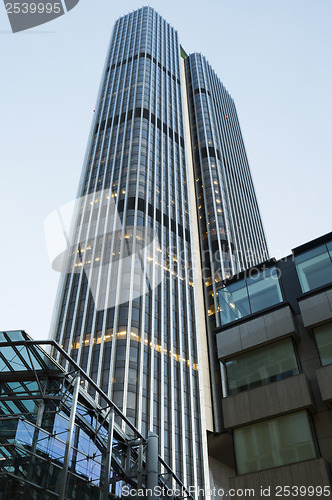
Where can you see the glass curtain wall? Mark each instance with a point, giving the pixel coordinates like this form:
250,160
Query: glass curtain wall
231,233
142,351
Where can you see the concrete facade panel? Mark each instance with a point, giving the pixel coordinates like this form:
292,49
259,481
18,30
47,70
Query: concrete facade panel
316,309
324,377
310,473
285,396
229,342
254,332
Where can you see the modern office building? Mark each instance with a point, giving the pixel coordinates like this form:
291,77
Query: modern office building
275,342
166,210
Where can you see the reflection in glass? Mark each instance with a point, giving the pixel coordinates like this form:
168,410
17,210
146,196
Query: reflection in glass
275,442
261,366
242,298
14,336
329,247
234,302
264,291
323,336
314,268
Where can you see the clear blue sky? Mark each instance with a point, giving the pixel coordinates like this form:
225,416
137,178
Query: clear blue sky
274,57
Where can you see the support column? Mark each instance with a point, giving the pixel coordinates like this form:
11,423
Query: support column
108,457
152,463
32,463
140,467
70,433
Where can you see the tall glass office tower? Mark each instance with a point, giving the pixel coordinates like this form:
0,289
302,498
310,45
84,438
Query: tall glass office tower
166,211
230,229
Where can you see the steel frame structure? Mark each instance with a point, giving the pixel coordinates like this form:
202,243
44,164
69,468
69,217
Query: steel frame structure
56,442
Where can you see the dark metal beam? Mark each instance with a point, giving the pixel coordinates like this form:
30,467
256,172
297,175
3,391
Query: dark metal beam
65,468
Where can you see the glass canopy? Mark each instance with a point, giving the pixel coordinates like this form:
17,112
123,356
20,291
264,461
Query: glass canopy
56,441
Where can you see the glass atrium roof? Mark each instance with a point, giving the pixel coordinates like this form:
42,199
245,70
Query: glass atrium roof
52,433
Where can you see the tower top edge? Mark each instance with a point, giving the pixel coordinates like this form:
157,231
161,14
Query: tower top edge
150,9
193,55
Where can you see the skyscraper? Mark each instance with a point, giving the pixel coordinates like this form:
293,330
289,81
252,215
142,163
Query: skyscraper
166,211
230,229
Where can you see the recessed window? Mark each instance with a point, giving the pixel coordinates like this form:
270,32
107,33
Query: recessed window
323,336
245,297
261,366
274,442
314,268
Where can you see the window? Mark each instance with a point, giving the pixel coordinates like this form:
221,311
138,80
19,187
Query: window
242,298
275,442
323,336
261,366
314,268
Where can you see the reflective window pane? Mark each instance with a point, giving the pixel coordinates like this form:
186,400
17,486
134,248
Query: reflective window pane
261,366
245,297
9,357
329,247
323,336
264,291
234,302
275,442
314,268
15,336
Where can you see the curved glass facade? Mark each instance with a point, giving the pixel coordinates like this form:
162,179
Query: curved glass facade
232,236
230,228
143,352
